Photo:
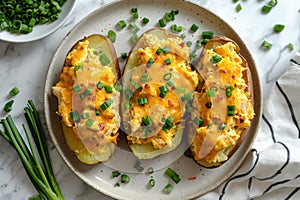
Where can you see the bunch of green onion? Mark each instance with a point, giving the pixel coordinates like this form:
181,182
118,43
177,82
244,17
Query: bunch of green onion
40,172
22,16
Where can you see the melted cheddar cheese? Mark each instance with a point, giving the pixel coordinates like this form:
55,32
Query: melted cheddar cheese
80,98
168,68
224,105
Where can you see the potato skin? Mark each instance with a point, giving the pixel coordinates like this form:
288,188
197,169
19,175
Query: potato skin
212,44
72,139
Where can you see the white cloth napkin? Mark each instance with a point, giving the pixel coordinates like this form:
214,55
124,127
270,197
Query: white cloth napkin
272,168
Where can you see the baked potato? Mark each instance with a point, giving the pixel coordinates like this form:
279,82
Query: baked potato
88,102
224,102
157,84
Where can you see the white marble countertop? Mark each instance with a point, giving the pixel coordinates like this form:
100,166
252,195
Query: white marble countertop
25,66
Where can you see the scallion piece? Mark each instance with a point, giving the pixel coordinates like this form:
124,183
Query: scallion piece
163,91
115,173
150,170
76,88
167,76
170,82
238,8
147,120
230,110
14,91
168,188
187,97
112,35
267,45
118,86
106,104
266,9
86,92
173,175
124,55
135,85
180,89
78,67
134,10
210,93
134,27
150,62
75,116
151,182
278,28
169,16
142,100
144,77
159,50
167,61
97,112
104,60
166,50
222,126
85,115
215,59
133,38
291,46
135,15
207,34
122,24
198,121
128,94
145,20
272,3
168,124
162,22
194,27
125,178
8,106
189,43
100,86
108,89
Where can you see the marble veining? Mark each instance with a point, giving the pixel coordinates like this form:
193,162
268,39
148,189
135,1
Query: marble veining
25,66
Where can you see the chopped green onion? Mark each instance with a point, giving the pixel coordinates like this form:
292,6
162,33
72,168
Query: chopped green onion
84,94
169,17
112,35
150,62
142,100
78,67
145,20
163,91
166,50
118,86
135,15
97,112
151,182
108,89
14,91
168,123
180,89
167,76
170,82
210,93
238,8
278,28
128,94
291,46
85,115
144,77
168,188
173,175
8,106
125,178
222,126
167,61
133,38
207,34
272,3
234,1
189,43
162,22
147,120
135,85
127,105
117,185
106,104
75,116
89,123
138,166
230,109
194,27
77,88
134,10
187,97
124,55
104,60
122,24
159,50
198,121
100,86
115,173
150,170
267,45
134,27
266,9
215,59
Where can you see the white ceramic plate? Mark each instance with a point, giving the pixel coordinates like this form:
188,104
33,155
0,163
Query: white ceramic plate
99,176
41,31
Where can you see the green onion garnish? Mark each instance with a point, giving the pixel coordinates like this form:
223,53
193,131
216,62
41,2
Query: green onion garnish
207,34
238,8
194,27
189,43
125,178
163,91
167,76
170,82
169,16
85,115
112,35
100,86
215,59
166,50
135,85
142,100
8,106
124,55
173,175
228,90
210,93
187,97
106,104
122,24
150,170
230,110
267,45
147,120
151,182
198,121
272,3
159,50
134,10
278,28
78,67
150,62
291,46
266,9
168,124
97,112
180,89
134,27
168,188
162,22
133,38
145,20
167,61
118,86
115,173
76,88
75,116
108,89
84,94
208,104
135,15
128,94
14,91
222,126
104,60
144,77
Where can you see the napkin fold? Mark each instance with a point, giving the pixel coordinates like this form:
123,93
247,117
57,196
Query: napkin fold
272,167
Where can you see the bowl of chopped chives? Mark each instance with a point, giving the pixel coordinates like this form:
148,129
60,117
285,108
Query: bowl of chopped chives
30,20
